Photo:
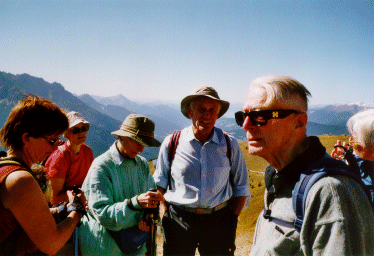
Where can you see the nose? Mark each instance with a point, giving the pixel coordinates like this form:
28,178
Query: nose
205,112
247,124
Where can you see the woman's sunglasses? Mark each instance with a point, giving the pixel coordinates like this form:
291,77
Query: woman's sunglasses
261,117
54,142
76,130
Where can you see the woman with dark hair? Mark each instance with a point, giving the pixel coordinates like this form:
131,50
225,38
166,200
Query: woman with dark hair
27,223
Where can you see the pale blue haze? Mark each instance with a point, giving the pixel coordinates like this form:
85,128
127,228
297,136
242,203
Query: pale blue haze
162,50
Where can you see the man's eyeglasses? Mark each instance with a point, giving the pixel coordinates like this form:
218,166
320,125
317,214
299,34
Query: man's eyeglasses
261,117
76,130
53,142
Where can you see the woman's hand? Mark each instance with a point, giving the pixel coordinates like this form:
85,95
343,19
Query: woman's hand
80,195
150,199
143,226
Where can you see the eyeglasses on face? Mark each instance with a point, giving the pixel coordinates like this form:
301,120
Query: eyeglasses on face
53,142
261,117
76,130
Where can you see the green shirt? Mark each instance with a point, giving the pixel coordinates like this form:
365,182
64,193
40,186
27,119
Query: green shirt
111,181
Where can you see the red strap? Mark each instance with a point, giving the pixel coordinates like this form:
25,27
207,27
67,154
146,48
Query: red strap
173,145
6,170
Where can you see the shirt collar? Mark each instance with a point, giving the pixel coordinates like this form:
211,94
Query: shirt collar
118,159
214,138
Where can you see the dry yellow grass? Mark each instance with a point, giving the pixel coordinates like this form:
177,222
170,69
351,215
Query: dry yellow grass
248,217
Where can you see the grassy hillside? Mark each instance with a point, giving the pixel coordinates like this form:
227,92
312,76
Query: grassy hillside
248,218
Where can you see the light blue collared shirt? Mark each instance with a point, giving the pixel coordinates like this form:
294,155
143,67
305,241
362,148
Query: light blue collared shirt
111,181
200,174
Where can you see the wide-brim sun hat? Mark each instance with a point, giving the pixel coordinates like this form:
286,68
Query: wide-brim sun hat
204,91
75,118
139,128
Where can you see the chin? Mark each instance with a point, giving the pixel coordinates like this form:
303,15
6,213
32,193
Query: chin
255,151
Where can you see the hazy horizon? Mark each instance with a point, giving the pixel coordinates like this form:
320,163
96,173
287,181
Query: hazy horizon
162,50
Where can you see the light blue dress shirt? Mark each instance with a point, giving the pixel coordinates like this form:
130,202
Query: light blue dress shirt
111,181
200,173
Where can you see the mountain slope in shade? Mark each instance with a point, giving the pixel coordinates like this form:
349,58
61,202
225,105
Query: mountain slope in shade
163,116
12,87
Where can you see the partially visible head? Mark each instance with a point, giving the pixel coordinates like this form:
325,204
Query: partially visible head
361,126
271,132
204,107
78,128
201,93
36,117
42,179
135,133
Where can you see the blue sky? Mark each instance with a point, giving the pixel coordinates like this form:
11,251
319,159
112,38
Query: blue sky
162,50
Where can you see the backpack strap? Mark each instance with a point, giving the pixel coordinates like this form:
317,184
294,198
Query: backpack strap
172,149
315,171
325,166
228,152
279,222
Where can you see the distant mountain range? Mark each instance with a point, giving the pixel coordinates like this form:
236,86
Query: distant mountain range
335,115
107,113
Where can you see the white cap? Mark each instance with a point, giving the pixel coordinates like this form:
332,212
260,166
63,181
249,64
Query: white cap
75,118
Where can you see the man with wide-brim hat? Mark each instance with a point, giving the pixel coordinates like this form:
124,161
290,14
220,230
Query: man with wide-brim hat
117,187
205,183
140,129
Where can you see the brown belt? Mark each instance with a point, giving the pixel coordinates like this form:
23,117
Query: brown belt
202,210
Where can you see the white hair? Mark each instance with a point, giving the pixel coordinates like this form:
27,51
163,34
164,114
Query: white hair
283,89
362,126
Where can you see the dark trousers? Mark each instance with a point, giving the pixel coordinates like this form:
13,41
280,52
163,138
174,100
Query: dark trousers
212,234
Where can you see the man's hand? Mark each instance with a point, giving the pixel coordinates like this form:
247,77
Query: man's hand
150,199
143,226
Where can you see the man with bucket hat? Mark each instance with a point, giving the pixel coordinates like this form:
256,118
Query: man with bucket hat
205,183
117,188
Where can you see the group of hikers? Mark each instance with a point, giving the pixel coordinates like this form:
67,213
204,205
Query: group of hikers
200,184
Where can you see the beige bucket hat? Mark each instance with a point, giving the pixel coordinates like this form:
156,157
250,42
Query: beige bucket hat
139,128
204,91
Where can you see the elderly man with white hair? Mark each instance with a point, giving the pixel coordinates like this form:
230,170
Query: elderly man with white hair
338,219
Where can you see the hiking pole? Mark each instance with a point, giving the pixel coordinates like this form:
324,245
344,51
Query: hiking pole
152,216
82,210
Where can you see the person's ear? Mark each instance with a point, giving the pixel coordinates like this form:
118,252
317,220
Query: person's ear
26,139
189,111
67,134
301,120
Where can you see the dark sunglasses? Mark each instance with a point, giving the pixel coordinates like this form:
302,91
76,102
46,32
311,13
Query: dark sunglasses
261,117
53,142
76,130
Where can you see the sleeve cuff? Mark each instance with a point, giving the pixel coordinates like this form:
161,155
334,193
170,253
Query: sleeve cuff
133,204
